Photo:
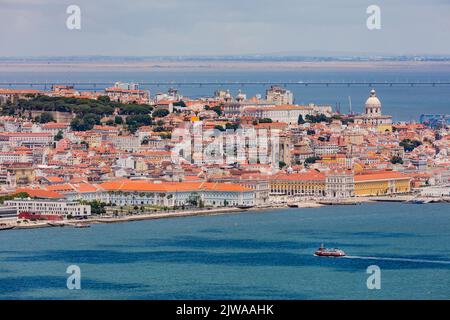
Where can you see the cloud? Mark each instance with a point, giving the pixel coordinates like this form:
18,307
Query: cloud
183,27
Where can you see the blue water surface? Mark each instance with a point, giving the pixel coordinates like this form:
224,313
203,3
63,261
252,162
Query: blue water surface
257,255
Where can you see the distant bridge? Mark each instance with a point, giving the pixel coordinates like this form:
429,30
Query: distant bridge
103,84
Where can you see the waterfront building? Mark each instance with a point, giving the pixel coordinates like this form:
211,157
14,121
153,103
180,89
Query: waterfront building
257,182
382,182
339,184
8,212
28,208
161,193
308,184
436,191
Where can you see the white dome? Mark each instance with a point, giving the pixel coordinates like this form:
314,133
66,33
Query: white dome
373,101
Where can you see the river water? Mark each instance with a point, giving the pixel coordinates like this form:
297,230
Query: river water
257,255
404,103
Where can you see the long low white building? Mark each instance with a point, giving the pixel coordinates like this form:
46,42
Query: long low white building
49,208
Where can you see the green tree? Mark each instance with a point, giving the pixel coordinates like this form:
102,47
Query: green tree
311,160
19,195
97,207
160,113
118,120
59,136
409,145
179,104
216,109
85,122
317,118
300,120
136,121
232,126
45,117
104,99
396,160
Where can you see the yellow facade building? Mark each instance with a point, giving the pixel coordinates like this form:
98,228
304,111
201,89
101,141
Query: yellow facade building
348,184
311,183
380,183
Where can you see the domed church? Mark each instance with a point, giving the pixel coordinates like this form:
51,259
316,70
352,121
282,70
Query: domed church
373,114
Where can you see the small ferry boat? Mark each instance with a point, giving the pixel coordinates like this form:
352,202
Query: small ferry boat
334,252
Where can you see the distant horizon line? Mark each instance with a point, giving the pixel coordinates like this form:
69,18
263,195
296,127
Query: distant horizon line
240,57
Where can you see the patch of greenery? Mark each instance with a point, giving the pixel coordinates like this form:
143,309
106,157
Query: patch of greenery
45,117
97,207
311,160
216,109
160,113
409,145
19,195
85,122
102,106
396,160
135,121
317,118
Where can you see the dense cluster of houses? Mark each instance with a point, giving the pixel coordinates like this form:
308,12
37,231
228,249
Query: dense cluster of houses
342,156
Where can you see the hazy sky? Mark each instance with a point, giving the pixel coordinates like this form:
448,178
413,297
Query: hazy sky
219,27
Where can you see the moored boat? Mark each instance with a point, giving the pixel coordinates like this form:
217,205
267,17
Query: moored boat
245,207
6,227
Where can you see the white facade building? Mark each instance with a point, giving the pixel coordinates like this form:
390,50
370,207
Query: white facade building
50,207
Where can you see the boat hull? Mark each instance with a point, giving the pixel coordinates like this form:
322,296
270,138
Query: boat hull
329,254
7,228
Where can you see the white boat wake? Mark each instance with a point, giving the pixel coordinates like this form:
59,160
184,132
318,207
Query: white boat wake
398,259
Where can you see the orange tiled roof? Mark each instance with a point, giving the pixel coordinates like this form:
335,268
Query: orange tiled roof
311,175
143,185
40,193
381,175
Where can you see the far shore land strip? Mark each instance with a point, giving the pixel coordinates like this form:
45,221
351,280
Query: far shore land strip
216,65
